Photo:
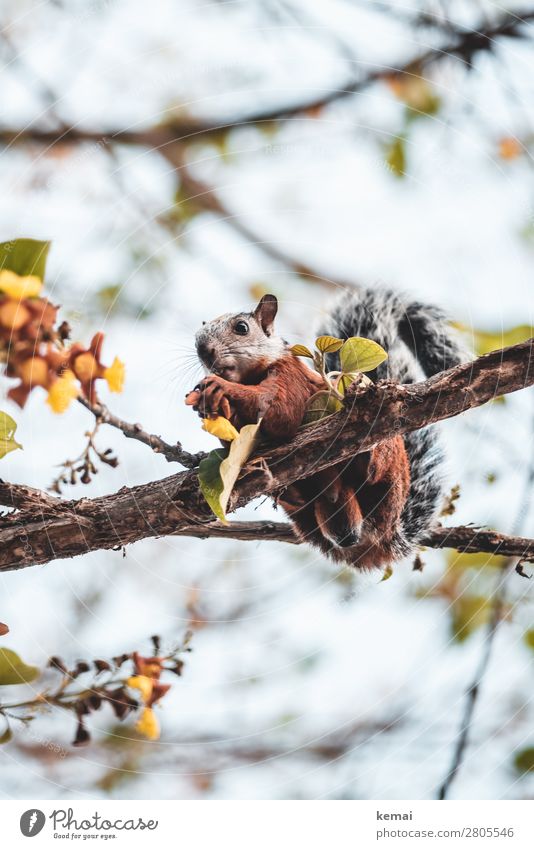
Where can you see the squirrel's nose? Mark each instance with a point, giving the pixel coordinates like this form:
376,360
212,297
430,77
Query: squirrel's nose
206,352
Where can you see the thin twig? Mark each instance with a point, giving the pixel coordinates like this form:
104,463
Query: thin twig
172,453
475,687
497,607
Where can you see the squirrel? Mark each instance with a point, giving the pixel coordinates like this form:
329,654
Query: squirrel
372,510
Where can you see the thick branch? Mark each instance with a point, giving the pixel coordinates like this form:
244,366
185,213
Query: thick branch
175,505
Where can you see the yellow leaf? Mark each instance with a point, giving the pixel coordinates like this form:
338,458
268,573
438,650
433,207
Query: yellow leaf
221,428
19,287
148,725
301,351
328,344
359,354
240,450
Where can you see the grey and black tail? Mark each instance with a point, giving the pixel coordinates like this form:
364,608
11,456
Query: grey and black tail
420,343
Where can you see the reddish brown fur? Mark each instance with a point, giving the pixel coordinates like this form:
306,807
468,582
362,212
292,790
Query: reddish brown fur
351,511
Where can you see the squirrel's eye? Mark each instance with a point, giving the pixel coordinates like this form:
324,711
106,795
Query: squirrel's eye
241,327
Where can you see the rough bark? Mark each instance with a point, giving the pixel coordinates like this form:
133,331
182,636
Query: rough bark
43,528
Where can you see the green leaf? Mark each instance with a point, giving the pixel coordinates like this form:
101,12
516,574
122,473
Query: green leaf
524,760
301,351
8,442
359,354
13,670
486,341
388,572
24,256
476,560
211,484
6,736
185,207
328,344
529,638
218,472
468,614
321,405
347,378
396,157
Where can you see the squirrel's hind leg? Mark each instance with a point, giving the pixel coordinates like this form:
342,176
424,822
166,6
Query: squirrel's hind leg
325,511
339,515
298,501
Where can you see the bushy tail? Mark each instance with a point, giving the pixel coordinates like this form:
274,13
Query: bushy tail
417,336
420,343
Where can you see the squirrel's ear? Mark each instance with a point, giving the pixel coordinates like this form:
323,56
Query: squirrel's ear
265,313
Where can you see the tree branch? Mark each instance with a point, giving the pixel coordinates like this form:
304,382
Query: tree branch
464,538
170,139
175,505
172,453
463,45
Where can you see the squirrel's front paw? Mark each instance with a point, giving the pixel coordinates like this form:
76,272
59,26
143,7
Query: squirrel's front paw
209,399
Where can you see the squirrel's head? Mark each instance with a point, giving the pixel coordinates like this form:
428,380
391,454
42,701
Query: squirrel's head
241,347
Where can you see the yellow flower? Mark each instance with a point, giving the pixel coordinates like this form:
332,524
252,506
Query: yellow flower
34,371
143,684
220,427
62,392
13,314
85,367
17,287
148,725
115,375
